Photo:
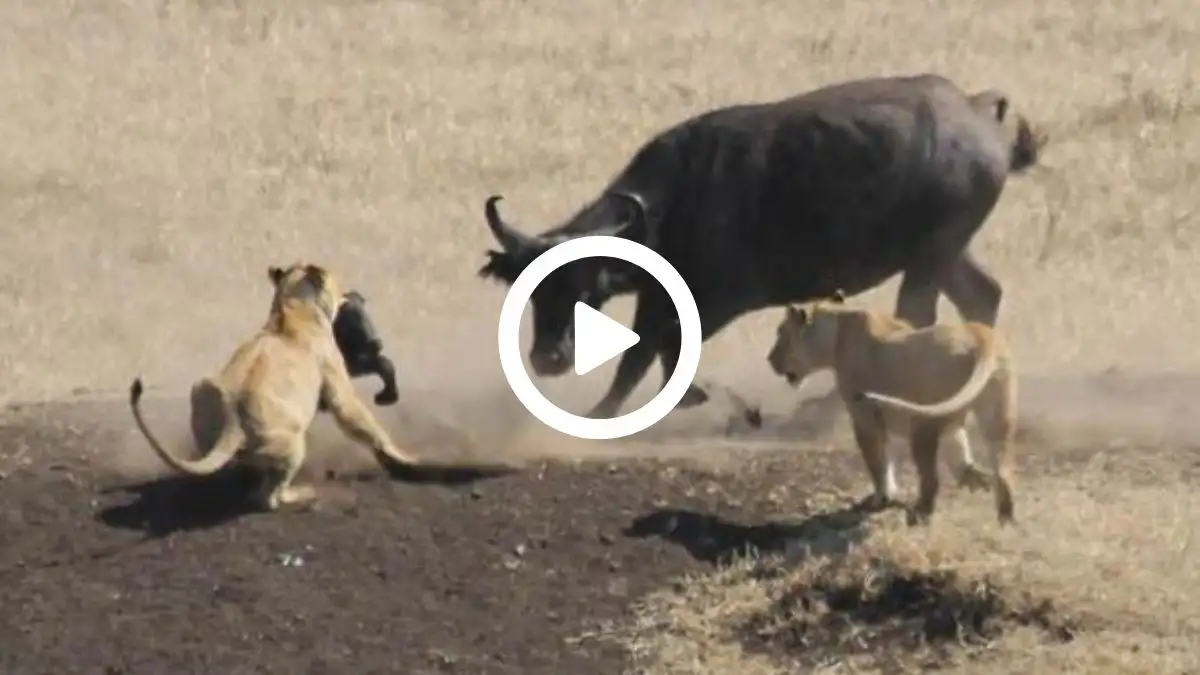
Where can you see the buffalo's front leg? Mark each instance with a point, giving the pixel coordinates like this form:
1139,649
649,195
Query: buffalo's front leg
711,323
648,324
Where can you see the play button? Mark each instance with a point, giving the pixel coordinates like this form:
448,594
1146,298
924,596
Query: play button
598,339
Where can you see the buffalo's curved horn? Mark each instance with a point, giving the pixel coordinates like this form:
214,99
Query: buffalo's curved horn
638,220
508,236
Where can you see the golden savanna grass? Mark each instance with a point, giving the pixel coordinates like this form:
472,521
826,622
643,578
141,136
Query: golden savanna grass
156,156
1098,578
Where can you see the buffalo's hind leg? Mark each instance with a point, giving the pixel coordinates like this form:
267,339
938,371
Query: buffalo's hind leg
973,290
916,301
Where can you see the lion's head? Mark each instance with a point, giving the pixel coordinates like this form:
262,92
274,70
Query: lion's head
306,284
804,340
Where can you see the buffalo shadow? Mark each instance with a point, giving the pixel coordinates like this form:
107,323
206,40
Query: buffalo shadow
180,503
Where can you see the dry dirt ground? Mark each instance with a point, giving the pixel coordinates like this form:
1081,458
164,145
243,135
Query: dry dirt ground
156,157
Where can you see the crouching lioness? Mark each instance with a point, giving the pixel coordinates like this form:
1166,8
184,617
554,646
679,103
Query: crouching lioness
259,407
925,382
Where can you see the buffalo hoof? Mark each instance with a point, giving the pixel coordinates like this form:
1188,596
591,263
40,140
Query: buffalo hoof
693,397
387,396
753,417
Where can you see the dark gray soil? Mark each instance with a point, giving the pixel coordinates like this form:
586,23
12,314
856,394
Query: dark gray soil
449,573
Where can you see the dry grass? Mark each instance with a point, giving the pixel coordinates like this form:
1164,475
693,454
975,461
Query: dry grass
155,157
1099,578
159,153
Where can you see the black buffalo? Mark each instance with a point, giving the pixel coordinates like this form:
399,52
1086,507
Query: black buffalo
763,204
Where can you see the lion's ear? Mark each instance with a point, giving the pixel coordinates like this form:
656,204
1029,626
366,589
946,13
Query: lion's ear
315,275
275,274
839,296
798,314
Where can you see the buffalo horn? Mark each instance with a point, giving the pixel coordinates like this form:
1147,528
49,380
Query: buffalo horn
509,237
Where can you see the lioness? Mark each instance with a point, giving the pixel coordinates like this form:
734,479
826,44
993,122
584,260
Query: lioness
888,374
259,407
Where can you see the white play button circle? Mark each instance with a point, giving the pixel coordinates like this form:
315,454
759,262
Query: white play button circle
600,339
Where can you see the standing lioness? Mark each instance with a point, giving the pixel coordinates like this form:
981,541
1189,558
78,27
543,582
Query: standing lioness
893,377
259,407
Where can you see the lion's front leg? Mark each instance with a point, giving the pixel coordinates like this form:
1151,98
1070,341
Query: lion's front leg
356,421
870,433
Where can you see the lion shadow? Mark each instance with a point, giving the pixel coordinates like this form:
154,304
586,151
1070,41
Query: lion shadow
164,506
712,539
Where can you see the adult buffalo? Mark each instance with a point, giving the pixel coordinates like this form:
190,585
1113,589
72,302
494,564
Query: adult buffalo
762,204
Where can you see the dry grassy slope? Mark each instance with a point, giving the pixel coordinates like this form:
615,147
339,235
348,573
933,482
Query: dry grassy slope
1123,592
156,156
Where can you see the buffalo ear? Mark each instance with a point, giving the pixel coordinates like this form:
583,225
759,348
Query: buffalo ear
635,226
501,266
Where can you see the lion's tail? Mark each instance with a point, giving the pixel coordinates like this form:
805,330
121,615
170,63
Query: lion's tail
985,367
226,447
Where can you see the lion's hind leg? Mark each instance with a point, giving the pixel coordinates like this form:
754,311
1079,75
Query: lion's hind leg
208,415
282,456
997,423
925,439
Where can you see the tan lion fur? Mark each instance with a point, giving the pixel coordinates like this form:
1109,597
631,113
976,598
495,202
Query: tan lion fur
258,409
923,382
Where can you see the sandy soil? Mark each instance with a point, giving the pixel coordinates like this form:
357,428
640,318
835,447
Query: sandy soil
156,157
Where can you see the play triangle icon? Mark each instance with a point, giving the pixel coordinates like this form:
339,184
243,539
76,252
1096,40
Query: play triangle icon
598,339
